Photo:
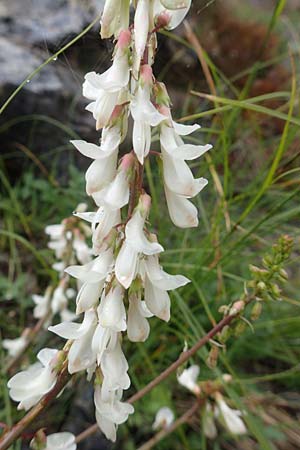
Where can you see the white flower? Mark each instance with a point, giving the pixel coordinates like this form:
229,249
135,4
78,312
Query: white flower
61,441
59,300
29,386
138,328
81,355
55,231
103,338
164,418
82,251
230,417
106,89
141,30
177,175
181,210
114,368
209,426
42,303
135,243
15,346
106,219
93,276
144,115
176,10
115,17
110,412
116,194
111,311
157,283
189,377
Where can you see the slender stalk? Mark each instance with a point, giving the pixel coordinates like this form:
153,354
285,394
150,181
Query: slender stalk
168,430
168,371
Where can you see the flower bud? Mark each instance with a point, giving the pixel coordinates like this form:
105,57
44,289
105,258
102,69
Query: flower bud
39,440
256,311
162,20
237,307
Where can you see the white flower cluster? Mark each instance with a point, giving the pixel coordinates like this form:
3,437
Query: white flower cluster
68,241
124,284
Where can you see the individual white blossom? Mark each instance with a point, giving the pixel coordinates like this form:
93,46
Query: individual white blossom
231,418
81,355
135,244
163,419
42,304
144,114
61,441
111,412
208,422
106,89
138,328
188,379
157,283
180,184
14,346
29,386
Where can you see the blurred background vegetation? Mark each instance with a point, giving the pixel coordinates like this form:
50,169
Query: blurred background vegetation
252,50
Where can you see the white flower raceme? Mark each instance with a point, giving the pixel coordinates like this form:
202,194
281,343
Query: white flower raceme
61,441
188,379
144,114
164,418
175,11
81,355
229,417
111,412
14,346
106,89
29,386
135,244
115,17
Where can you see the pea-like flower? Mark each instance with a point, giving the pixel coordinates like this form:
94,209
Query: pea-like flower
164,418
29,386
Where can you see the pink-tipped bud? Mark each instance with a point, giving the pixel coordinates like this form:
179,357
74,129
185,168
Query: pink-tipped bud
165,111
127,161
117,111
144,204
146,74
124,39
162,20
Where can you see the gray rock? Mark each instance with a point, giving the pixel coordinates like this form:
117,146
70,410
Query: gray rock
46,23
